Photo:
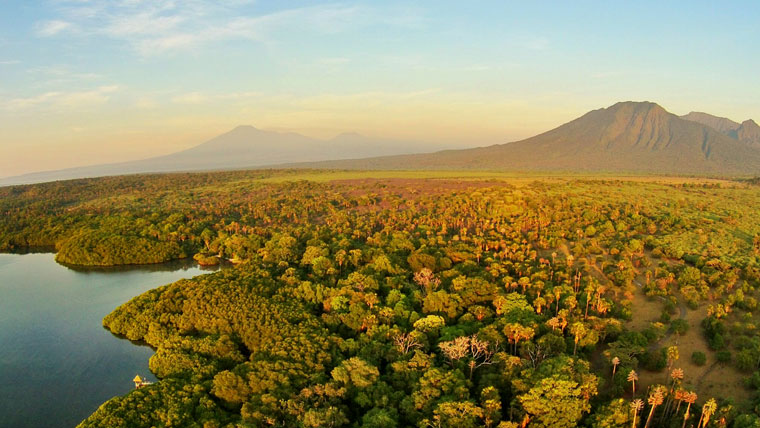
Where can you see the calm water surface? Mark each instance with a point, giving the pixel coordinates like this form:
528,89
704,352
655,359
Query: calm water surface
57,362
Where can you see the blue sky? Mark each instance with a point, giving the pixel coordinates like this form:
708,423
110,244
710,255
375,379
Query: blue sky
90,81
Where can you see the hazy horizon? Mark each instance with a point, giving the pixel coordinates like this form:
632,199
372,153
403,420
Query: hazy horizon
88,81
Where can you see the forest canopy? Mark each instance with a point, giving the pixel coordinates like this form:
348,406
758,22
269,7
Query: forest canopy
422,302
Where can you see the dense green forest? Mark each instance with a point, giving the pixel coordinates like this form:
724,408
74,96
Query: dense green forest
423,302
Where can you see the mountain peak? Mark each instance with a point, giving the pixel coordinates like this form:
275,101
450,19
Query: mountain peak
244,128
629,136
721,124
749,132
626,111
636,105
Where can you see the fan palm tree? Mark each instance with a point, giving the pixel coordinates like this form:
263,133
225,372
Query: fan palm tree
633,377
689,398
707,410
636,406
655,399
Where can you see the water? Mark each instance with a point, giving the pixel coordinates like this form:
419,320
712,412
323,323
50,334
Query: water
57,362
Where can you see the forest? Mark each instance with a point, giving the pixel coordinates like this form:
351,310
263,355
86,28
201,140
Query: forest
423,301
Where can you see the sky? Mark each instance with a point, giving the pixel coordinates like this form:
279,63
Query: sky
93,81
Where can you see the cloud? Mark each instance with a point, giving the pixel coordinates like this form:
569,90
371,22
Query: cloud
156,27
190,98
10,62
66,100
51,28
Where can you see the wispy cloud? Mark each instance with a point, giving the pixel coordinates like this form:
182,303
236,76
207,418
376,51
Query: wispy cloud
10,62
190,98
72,99
51,28
153,28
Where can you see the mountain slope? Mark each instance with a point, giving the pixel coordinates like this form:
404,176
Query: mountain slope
626,137
747,132
721,124
240,148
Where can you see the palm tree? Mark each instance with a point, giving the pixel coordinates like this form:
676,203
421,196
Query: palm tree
655,399
707,410
615,362
636,406
672,353
679,396
633,377
689,398
578,330
677,376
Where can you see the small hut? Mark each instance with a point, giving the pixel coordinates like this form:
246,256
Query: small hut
140,382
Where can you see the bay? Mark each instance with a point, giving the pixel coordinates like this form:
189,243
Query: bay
57,362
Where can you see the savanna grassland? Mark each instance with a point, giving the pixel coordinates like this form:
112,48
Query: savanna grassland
423,299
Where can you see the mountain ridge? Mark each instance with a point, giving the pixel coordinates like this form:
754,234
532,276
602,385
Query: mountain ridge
626,137
747,132
242,147
629,136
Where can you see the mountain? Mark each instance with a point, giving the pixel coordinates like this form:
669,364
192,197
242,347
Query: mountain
240,148
747,132
626,137
720,124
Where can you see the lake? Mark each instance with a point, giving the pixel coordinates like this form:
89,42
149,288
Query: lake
57,362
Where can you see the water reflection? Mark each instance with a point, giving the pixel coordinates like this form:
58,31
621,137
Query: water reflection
57,363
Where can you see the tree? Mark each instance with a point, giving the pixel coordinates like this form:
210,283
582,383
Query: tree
429,324
636,406
708,410
579,331
615,414
490,402
458,414
426,280
406,342
633,377
555,403
690,398
380,418
230,387
355,372
655,399
672,355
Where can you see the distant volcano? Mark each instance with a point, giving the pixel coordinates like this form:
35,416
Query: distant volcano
626,137
241,148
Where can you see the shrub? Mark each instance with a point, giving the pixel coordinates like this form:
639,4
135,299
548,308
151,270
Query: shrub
716,342
723,356
746,361
654,360
679,326
698,358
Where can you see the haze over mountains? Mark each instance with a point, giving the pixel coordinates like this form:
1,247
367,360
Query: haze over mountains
628,137
240,148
